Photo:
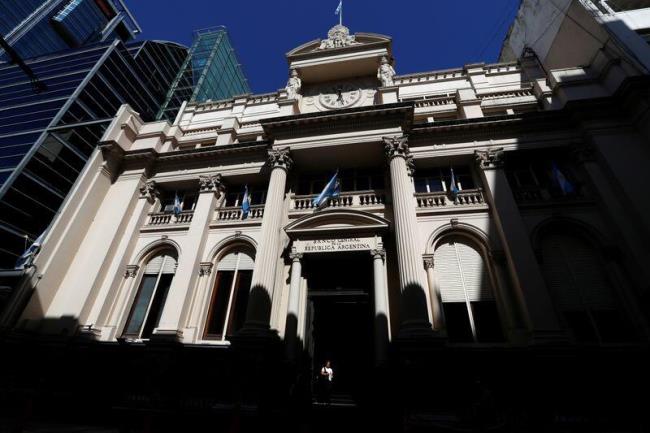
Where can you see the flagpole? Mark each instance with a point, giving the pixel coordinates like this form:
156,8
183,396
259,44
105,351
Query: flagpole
341,14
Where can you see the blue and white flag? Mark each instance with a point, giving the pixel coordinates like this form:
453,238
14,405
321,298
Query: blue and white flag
339,8
26,259
331,190
245,204
177,204
453,188
565,185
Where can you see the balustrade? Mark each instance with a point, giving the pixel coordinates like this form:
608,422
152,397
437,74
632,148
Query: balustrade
346,199
442,199
165,218
235,213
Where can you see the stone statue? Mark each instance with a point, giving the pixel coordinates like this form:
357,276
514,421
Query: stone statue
385,73
337,37
293,85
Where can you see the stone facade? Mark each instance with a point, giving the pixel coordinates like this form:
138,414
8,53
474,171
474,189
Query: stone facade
487,172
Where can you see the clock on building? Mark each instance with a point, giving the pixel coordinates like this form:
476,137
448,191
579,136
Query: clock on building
339,95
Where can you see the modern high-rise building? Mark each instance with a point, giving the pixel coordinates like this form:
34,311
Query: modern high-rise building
467,247
565,33
211,71
46,137
37,27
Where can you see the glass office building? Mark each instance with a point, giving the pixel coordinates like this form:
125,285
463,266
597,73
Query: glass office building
211,71
46,137
37,27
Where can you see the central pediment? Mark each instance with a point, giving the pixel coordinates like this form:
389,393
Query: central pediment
340,56
339,222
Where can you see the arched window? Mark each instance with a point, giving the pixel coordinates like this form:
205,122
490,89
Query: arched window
582,291
467,294
230,294
150,299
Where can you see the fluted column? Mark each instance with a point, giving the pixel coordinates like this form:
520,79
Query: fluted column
258,313
531,297
177,303
414,311
291,327
434,295
381,307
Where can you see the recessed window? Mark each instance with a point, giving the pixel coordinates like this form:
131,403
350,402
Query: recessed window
230,294
439,179
186,199
147,308
583,293
469,304
235,195
350,179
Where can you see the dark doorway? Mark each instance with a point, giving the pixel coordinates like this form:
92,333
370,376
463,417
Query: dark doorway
340,322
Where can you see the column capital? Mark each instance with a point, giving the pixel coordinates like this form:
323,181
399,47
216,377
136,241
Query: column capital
149,190
295,256
131,271
378,253
582,152
280,158
490,159
205,268
211,183
398,147
428,261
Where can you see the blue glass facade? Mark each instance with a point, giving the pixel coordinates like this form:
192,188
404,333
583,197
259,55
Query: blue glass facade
46,137
37,27
211,71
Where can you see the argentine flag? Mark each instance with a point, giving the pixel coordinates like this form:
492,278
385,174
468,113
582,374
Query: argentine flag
453,188
565,185
26,259
331,190
339,8
177,204
245,204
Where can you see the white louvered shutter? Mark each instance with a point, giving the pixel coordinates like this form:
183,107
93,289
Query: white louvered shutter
154,265
461,272
229,261
169,265
574,274
448,273
165,262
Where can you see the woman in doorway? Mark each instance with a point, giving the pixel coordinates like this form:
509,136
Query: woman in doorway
326,378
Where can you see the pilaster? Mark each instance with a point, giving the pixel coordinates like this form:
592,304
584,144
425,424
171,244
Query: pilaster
531,293
177,303
258,313
414,311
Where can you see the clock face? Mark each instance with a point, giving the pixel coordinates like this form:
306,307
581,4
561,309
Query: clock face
339,95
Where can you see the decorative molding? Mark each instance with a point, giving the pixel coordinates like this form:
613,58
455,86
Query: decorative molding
337,37
131,271
490,159
378,253
149,190
212,183
280,158
428,261
295,256
398,147
205,268
583,151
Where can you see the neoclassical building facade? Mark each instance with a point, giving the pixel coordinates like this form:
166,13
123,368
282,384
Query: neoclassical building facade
486,255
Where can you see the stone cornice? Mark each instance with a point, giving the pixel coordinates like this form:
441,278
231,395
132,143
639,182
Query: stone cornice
151,160
397,114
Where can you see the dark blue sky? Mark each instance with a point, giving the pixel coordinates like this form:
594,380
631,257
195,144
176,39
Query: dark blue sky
427,34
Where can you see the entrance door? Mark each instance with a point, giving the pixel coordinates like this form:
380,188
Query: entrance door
342,321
